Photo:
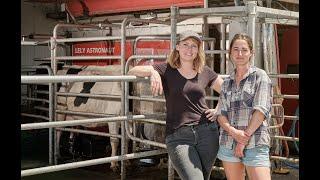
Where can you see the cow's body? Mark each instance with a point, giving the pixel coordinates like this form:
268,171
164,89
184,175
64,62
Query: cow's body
154,132
149,131
108,106
93,105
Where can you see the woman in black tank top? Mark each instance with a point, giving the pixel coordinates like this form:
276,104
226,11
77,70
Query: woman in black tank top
191,130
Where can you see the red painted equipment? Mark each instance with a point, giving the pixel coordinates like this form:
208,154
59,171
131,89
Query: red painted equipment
289,64
99,7
112,48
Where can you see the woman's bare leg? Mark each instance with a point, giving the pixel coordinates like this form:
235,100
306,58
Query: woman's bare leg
258,173
234,170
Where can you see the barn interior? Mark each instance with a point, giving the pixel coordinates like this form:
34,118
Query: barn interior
75,55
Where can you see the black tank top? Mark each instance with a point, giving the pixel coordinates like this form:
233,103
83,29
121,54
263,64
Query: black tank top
185,98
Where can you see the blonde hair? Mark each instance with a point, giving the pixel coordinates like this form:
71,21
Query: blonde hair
198,63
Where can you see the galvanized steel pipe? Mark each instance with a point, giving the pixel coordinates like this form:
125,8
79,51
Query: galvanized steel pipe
89,132
43,125
287,138
84,39
284,159
74,78
92,162
294,76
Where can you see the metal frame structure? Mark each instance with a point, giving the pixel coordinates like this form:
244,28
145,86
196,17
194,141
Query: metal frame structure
250,13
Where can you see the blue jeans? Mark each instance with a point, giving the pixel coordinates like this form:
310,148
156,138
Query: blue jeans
193,150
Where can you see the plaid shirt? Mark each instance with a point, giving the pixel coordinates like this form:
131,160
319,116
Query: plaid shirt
238,104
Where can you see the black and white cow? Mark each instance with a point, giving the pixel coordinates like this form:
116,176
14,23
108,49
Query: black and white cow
92,105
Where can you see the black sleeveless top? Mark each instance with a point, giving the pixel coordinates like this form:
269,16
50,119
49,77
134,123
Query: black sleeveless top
185,98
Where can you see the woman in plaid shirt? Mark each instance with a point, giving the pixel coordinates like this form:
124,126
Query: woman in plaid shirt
243,113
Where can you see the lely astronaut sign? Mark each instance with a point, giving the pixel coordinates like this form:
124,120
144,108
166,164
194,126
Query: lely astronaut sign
93,49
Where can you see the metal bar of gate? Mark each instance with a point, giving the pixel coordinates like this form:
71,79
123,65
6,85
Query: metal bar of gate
92,162
43,125
50,108
73,78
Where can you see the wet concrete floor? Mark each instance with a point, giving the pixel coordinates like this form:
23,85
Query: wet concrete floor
135,172
34,154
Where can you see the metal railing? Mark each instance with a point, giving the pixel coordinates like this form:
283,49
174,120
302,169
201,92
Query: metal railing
50,109
41,125
250,11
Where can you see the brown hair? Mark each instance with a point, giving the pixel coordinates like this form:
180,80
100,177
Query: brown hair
198,62
241,36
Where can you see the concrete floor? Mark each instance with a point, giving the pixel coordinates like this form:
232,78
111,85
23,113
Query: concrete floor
102,172
34,154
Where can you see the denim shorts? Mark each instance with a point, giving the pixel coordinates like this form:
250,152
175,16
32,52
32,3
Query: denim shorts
257,156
